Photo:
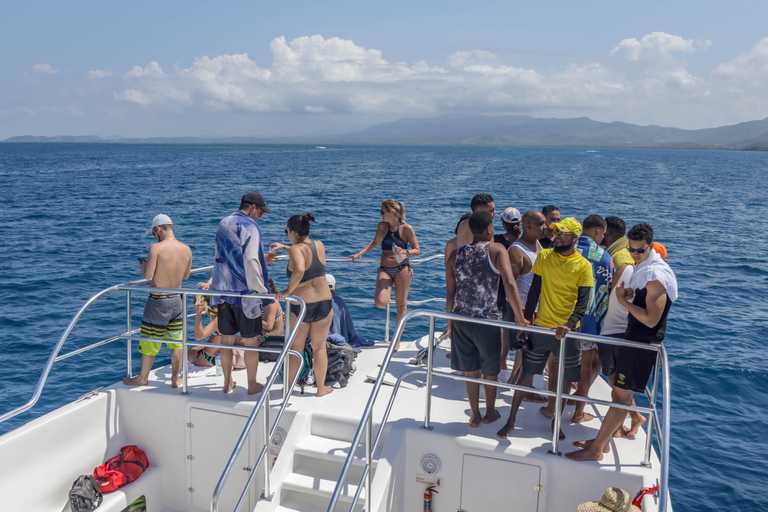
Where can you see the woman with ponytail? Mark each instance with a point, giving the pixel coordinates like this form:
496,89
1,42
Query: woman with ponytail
306,274
394,235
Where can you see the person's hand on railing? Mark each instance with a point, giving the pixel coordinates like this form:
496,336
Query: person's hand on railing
204,286
280,296
561,331
522,321
356,256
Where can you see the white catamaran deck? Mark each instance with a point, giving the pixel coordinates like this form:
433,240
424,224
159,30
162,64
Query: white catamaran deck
189,438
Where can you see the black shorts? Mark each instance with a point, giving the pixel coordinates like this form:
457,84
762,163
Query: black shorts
232,320
608,354
475,347
535,358
633,368
316,311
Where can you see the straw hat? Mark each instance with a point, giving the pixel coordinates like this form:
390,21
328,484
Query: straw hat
613,500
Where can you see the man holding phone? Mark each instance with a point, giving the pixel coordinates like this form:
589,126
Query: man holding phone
167,264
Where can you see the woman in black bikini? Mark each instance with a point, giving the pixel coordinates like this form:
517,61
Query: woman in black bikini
306,274
393,230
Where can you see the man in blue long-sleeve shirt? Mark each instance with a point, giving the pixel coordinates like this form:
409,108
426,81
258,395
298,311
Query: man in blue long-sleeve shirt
240,266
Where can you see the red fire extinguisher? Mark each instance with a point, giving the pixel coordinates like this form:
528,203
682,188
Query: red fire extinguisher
428,498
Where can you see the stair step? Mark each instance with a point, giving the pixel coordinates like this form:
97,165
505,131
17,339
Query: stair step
309,465
330,449
334,428
309,493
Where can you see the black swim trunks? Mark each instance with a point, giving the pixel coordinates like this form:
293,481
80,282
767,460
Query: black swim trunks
316,311
535,358
232,320
475,347
633,368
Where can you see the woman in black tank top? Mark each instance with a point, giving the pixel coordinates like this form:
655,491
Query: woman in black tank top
394,234
306,274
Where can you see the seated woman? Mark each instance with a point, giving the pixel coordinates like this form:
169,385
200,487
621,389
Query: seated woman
306,274
394,234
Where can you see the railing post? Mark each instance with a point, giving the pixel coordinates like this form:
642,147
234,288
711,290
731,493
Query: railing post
558,400
286,364
184,334
267,493
651,417
369,463
430,348
129,357
386,324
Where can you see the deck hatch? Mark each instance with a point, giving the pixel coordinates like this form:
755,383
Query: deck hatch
496,484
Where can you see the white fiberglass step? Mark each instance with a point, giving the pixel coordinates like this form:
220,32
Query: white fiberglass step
330,449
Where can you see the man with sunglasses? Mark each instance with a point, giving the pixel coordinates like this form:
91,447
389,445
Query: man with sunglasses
652,290
167,264
240,266
562,282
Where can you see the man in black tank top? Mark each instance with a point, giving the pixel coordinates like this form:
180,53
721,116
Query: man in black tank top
648,307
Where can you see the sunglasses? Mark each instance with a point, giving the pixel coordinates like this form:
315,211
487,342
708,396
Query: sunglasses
286,231
638,251
383,212
559,234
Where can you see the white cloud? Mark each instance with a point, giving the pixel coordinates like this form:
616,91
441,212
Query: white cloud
43,69
153,69
99,73
655,44
748,69
134,96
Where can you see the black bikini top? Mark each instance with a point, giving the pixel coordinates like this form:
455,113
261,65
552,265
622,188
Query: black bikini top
316,269
393,237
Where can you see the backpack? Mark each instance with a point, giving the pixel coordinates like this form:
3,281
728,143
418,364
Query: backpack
277,342
84,494
121,469
306,370
341,360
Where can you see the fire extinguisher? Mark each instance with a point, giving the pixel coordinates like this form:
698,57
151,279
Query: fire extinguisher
428,498
638,501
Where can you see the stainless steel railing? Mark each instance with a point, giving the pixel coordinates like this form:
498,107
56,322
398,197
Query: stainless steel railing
366,422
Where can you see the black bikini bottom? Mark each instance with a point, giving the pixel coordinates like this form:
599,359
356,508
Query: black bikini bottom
316,311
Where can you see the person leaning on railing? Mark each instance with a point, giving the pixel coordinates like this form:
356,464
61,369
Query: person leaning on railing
395,235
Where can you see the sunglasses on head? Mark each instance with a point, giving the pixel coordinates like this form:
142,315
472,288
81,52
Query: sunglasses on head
638,251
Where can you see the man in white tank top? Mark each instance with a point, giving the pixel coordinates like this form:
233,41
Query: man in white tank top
522,254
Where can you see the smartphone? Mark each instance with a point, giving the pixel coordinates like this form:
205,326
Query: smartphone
142,259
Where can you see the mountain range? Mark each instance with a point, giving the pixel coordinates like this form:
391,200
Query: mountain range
483,130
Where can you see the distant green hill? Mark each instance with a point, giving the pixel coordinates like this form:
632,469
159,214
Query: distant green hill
482,130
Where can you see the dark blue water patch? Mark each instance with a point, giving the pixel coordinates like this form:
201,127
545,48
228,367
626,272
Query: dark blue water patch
74,216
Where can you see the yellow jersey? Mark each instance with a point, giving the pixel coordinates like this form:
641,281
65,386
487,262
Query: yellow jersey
561,277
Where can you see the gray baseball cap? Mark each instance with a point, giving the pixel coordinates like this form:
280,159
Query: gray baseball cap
159,220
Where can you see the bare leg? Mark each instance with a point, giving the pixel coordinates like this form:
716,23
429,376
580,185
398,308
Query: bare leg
142,379
638,420
549,409
473,394
176,359
251,365
590,368
491,414
383,294
504,339
298,345
517,399
612,421
402,284
319,334
226,363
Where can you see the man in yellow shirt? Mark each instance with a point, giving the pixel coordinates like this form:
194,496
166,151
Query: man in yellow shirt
561,287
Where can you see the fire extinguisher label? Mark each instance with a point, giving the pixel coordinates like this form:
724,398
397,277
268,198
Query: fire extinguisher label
429,480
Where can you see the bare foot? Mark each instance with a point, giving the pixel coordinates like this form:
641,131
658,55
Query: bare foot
475,420
325,390
253,389
505,430
589,443
175,382
490,417
397,347
584,455
448,355
230,388
546,412
637,422
535,398
135,381
582,418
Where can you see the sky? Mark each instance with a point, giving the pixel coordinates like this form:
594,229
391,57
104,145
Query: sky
256,68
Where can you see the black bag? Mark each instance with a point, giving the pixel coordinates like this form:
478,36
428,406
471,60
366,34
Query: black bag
341,359
85,494
277,342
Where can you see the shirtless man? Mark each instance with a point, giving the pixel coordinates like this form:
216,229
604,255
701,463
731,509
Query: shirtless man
652,290
167,265
480,203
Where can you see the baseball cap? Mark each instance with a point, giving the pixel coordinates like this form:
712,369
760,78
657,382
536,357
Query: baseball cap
256,199
331,281
568,225
511,215
159,220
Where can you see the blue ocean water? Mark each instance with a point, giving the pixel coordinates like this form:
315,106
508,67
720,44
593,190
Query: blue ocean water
73,218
